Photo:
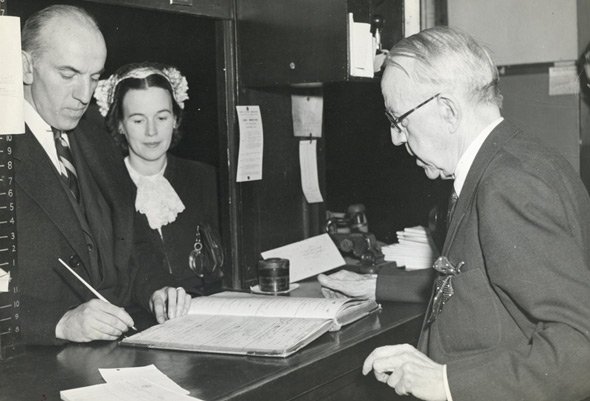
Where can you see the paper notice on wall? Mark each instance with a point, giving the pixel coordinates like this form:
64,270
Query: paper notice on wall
563,79
251,144
411,17
361,48
4,280
308,163
307,111
309,257
12,119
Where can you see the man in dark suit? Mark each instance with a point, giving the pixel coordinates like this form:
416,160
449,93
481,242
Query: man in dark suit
73,198
509,316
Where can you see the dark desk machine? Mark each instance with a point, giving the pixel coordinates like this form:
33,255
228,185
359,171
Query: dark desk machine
360,248
9,301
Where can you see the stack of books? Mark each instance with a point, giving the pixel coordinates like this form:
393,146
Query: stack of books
414,249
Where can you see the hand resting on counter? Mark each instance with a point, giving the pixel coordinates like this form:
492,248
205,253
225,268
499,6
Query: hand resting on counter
345,283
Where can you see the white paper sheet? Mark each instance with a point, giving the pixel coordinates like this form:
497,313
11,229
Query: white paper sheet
4,280
308,164
308,257
415,249
238,334
12,120
307,112
149,373
251,144
362,48
411,17
136,390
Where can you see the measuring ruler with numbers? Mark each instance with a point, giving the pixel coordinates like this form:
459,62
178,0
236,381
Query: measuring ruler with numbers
10,306
9,288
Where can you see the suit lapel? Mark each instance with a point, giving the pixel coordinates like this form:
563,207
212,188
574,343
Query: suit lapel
36,175
493,143
106,166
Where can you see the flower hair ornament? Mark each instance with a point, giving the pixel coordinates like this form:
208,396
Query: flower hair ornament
105,90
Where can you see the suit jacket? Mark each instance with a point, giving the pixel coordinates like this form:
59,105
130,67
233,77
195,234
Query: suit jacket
196,185
49,227
518,324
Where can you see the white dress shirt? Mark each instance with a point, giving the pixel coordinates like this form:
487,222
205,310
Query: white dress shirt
42,131
468,157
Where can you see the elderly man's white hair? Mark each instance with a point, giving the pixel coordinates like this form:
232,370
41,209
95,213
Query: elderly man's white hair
447,60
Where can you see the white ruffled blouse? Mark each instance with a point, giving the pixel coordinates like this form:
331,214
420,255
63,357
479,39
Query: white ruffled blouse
155,197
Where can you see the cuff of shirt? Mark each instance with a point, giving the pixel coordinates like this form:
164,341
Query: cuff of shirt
446,384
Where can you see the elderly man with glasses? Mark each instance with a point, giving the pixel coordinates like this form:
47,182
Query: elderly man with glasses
509,310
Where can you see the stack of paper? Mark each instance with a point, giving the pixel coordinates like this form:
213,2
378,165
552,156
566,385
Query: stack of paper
414,250
144,383
256,325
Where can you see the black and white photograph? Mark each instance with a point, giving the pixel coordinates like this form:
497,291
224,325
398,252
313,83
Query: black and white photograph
294,200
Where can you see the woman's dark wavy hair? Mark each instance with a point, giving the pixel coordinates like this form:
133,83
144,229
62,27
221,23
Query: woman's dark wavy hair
115,114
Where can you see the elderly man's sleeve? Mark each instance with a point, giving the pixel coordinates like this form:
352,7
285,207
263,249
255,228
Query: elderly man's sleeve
394,284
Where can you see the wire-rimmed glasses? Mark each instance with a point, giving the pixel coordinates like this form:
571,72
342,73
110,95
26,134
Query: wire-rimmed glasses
397,122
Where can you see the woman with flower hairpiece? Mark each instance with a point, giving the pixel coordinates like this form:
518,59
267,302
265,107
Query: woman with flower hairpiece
142,104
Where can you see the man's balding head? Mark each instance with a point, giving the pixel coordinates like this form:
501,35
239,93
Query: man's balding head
35,31
63,57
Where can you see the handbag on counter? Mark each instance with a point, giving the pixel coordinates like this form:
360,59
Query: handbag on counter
206,258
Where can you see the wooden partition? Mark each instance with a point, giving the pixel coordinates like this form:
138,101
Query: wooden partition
199,41
211,41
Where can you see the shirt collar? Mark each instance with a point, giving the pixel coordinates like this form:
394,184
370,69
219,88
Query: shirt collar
42,132
136,175
35,122
468,157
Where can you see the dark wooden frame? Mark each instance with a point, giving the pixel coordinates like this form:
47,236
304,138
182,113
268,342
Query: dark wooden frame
223,11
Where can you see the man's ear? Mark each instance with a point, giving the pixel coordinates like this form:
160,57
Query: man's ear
450,111
27,67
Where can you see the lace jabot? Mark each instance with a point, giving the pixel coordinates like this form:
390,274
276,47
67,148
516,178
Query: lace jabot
155,197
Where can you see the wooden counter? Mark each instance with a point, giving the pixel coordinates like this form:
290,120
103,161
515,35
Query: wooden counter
327,369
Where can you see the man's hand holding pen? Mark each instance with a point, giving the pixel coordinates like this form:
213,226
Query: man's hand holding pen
93,320
98,319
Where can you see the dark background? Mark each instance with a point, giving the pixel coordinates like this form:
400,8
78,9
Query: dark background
363,165
357,161
184,41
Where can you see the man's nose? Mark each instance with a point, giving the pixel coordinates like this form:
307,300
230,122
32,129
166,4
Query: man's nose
83,90
397,137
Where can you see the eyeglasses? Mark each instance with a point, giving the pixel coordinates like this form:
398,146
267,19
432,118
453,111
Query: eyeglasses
397,122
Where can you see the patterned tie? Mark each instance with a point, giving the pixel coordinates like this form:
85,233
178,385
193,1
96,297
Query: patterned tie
66,163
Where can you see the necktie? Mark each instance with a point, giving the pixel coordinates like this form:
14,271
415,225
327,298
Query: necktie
451,208
66,162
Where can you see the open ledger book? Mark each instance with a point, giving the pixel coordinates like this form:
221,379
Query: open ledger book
245,324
